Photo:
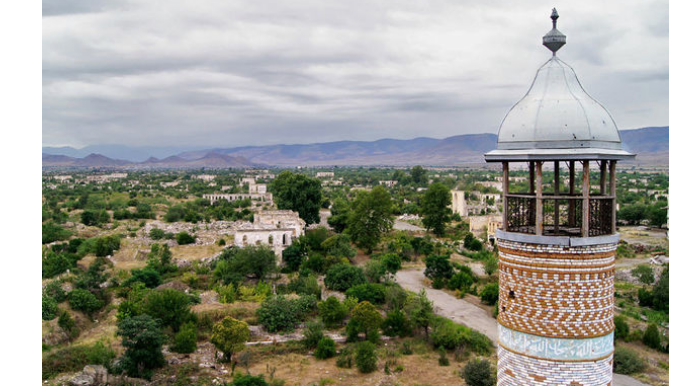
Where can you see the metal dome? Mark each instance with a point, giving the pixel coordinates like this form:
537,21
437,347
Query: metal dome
557,119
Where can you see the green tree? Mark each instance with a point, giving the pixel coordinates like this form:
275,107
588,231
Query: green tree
489,294
184,238
657,215
295,254
237,263
397,324
651,337
626,361
622,328
645,273
366,318
325,348
340,211
435,208
438,267
341,277
229,336
170,306
419,176
633,214
339,246
370,218
420,310
83,300
313,333
660,292
49,308
299,193
491,264
185,339
478,372
143,340
332,311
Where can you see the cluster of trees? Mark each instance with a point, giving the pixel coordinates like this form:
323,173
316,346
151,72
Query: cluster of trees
655,214
299,193
202,210
63,256
459,277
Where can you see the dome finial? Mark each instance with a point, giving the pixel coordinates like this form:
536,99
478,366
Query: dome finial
554,39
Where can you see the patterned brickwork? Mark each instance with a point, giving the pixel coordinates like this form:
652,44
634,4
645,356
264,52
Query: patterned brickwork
521,370
556,291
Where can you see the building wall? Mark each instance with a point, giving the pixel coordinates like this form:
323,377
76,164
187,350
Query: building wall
458,203
555,314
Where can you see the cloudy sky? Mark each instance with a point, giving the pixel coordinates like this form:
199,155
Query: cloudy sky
253,72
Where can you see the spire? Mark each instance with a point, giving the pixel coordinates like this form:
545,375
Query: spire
554,39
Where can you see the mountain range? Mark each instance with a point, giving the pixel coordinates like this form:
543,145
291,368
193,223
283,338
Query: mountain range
649,143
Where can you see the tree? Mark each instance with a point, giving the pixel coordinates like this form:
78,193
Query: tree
626,361
435,208
420,310
491,264
366,318
489,294
184,238
370,217
651,337
478,372
418,175
170,306
341,277
397,324
633,214
391,262
295,254
249,380
340,210
657,215
148,276
339,246
278,313
372,292
229,336
299,193
313,333
142,340
49,308
660,292
622,329
83,300
236,263
438,267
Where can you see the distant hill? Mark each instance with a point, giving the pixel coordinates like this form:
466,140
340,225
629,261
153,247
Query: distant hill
649,143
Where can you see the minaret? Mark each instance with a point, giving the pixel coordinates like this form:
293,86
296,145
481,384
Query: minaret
558,242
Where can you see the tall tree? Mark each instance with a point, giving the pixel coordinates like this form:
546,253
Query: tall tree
435,209
340,210
300,193
419,175
370,217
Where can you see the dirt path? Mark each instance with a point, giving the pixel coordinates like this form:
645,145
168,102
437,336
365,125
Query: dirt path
450,307
464,312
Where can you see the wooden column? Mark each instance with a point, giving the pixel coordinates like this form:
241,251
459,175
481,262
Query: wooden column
506,190
585,200
539,226
612,192
531,177
556,192
571,186
602,179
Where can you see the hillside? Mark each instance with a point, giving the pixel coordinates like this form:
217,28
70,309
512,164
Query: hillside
649,143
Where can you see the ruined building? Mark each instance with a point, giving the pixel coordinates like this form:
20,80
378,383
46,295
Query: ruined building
557,247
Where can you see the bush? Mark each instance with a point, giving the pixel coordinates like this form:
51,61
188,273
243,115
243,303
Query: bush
345,359
67,323
325,348
450,335
184,238
490,294
461,280
443,359
83,300
150,277
438,267
185,340
313,333
365,318
365,357
397,324
478,372
626,361
371,292
277,313
652,338
74,358
249,380
55,291
341,277
157,234
332,311
49,308
169,306
622,328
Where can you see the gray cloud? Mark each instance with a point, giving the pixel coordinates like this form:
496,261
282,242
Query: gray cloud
222,73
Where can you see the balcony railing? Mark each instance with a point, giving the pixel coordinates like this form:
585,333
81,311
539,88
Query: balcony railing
562,215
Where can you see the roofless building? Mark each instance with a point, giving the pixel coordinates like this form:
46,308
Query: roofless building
558,242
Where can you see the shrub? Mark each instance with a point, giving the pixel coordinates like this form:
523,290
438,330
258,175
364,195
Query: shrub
397,324
184,238
332,311
478,372
55,263
450,335
313,333
341,277
626,361
438,267
83,300
49,308
277,313
365,357
622,328
150,277
365,318
185,339
345,359
461,280
443,359
305,285
170,306
490,294
67,323
371,292
249,380
325,348
156,234
74,358
55,291
652,338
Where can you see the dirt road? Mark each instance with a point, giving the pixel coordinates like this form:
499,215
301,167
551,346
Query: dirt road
466,313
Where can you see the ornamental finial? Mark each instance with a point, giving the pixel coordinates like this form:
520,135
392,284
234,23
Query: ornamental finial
554,39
